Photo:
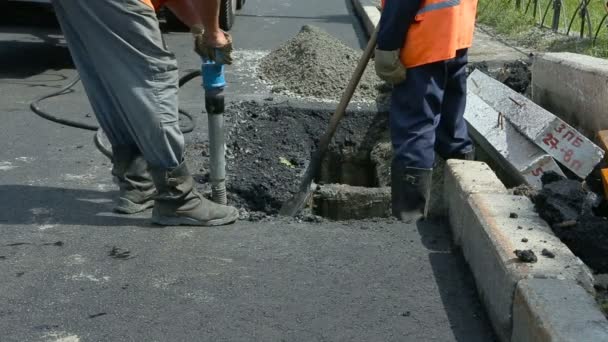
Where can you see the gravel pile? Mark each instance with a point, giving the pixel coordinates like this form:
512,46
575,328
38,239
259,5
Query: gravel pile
315,64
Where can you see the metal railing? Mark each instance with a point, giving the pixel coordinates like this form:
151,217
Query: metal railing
553,14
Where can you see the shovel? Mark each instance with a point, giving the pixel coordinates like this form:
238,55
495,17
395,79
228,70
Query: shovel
293,206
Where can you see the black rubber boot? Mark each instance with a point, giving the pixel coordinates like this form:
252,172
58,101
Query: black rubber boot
410,192
178,202
470,155
134,181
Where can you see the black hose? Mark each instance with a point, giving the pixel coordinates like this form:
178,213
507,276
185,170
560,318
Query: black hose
45,115
34,106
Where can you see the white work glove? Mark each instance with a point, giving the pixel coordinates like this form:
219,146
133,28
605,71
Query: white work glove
389,67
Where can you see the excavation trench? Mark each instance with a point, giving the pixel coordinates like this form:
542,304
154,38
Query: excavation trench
269,147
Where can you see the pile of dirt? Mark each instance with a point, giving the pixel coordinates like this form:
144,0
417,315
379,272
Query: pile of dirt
269,147
515,75
569,207
315,64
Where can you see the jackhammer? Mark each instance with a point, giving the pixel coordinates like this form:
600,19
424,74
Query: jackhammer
214,84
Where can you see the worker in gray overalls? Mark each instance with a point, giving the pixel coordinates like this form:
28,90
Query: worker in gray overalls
131,81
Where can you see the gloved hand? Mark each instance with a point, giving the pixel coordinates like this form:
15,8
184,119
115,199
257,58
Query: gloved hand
389,67
220,55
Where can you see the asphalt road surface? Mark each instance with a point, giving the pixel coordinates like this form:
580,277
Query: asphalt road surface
71,270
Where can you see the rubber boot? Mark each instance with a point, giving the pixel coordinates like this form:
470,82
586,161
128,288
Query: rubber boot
131,173
470,155
410,192
178,202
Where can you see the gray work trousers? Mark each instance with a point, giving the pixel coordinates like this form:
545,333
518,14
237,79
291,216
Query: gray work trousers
130,79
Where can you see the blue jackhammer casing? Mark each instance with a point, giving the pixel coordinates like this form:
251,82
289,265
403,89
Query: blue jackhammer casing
214,84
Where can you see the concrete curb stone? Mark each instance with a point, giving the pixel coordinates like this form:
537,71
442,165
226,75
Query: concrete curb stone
489,224
556,310
461,180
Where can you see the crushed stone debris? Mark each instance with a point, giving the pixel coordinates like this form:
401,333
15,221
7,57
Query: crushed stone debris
120,253
525,190
513,215
316,64
527,255
547,253
524,240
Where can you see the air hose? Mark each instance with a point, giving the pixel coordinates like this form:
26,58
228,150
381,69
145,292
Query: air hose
99,135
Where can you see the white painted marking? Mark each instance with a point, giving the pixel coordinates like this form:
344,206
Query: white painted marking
71,177
47,226
60,336
88,277
5,166
95,200
226,260
40,211
75,259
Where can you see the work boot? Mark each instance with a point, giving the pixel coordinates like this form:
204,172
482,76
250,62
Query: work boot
178,202
136,189
470,155
410,191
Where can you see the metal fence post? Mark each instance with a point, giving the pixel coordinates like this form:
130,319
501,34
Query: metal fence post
557,10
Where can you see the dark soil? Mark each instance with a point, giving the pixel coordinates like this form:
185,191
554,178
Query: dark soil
527,256
269,147
525,190
570,208
516,75
547,253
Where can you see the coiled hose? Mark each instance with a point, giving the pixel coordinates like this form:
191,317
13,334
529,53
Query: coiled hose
99,135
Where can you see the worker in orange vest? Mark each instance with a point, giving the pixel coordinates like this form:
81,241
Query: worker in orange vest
131,80
422,51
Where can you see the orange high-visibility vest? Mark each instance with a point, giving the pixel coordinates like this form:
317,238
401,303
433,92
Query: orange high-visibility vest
440,28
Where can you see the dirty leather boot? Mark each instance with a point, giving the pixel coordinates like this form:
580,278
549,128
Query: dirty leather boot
410,192
178,202
134,181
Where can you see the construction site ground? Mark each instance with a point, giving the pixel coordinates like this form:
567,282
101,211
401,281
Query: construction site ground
74,271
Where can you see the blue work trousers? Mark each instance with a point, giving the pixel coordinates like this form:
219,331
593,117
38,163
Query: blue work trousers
426,114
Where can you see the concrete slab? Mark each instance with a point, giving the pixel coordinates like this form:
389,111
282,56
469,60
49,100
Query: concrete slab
462,179
494,226
556,310
573,87
553,135
510,149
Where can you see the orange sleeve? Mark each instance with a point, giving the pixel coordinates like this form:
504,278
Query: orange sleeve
156,4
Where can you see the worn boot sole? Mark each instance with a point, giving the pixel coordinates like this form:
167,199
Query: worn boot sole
188,221
127,207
